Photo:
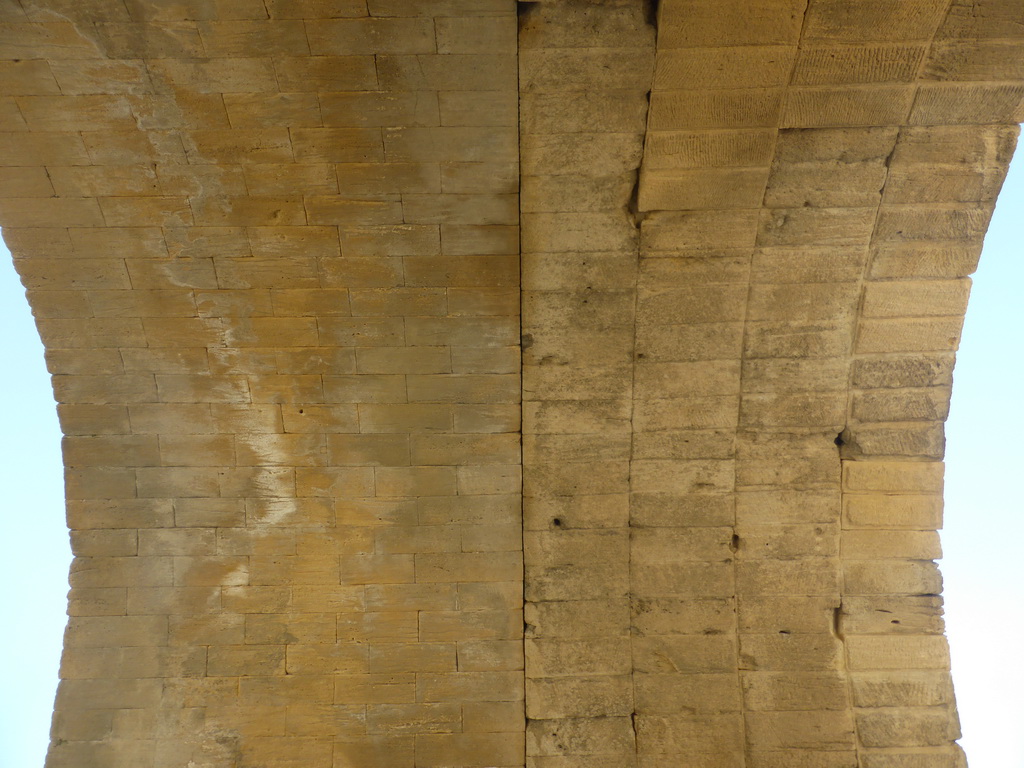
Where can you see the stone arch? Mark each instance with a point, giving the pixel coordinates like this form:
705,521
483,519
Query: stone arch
282,254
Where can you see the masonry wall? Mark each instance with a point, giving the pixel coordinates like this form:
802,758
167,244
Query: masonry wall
288,258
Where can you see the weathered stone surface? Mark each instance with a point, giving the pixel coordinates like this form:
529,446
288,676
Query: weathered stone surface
288,260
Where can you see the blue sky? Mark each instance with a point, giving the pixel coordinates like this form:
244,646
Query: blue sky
984,530
984,524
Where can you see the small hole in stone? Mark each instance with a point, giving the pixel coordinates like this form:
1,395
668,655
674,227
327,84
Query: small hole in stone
557,522
301,411
839,440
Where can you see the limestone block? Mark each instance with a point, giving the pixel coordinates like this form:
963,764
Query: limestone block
916,545
315,9
918,688
948,757
816,226
413,718
894,439
879,105
561,153
716,303
967,105
700,693
239,38
814,576
246,110
92,419
97,601
121,572
897,652
938,334
672,615
702,189
335,145
656,546
29,182
734,108
590,511
795,730
122,513
996,19
874,20
684,654
63,40
860,63
477,631
449,72
578,582
702,149
803,758
683,444
717,736
801,691
661,509
30,77
961,223
442,8
704,341
600,69
579,696
690,24
729,67
103,631
105,543
982,60
689,413
767,542
901,404
435,751
906,727
871,577
892,476
480,34
493,717
920,370
326,73
684,579
106,694
852,185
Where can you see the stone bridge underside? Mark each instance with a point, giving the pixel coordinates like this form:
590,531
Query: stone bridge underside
375,324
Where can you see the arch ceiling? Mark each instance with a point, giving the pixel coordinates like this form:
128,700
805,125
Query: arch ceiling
483,383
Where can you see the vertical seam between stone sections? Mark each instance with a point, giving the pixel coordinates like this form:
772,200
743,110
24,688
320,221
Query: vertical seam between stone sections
735,493
742,368
854,333
651,9
629,471
522,363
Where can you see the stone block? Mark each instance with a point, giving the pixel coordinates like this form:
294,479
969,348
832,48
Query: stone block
874,20
866,62
821,107
702,149
690,24
832,730
794,691
579,696
906,727
907,689
734,108
955,104
597,70
897,652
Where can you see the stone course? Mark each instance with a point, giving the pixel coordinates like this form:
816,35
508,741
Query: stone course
453,383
